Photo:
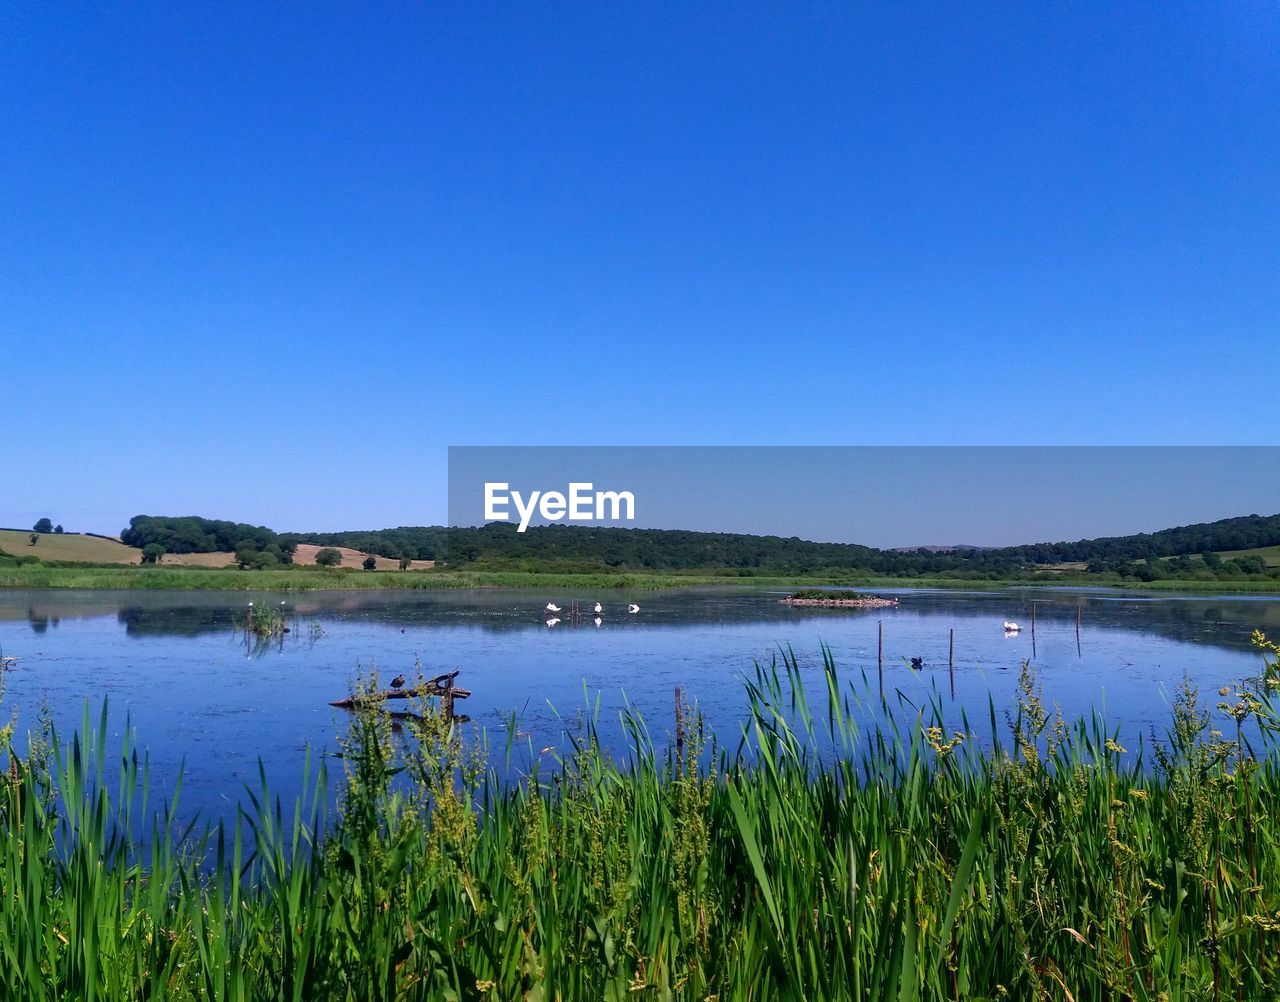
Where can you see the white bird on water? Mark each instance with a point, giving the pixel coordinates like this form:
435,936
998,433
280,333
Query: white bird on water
633,608
552,607
1011,627
598,609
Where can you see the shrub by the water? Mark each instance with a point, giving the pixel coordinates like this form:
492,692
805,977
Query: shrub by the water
821,594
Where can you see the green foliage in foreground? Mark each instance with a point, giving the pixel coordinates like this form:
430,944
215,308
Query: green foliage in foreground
913,866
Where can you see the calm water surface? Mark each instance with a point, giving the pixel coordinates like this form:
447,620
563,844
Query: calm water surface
201,700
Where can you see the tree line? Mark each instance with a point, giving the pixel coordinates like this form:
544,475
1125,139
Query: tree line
1182,551
252,545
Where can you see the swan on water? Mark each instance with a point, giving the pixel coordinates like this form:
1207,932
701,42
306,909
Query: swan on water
1011,627
633,608
598,609
552,607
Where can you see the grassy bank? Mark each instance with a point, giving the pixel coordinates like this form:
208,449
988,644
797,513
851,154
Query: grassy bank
316,579
321,579
913,865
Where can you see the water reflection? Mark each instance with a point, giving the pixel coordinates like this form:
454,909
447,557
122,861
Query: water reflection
1214,620
208,699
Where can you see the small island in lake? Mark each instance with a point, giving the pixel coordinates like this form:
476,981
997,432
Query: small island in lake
838,600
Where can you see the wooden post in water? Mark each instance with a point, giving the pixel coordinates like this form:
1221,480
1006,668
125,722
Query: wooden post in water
1033,629
1077,631
951,663
880,658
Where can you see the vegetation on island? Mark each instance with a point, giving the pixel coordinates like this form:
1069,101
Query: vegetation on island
821,594
819,858
837,599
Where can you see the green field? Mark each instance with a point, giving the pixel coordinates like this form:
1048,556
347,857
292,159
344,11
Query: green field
69,546
303,578
1269,554
319,579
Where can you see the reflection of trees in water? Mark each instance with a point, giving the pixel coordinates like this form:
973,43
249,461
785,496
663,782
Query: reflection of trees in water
41,621
196,621
1213,621
175,621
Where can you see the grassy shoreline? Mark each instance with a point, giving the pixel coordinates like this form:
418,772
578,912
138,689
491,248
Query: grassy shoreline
319,579
912,865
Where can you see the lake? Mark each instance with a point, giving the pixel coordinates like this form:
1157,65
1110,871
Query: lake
202,699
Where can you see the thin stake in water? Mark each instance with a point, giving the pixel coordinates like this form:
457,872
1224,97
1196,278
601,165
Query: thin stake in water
880,658
951,662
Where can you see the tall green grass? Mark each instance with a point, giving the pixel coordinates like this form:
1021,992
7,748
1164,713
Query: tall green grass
324,579
816,858
306,578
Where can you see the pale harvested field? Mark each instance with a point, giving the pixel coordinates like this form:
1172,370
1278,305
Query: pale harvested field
198,559
305,555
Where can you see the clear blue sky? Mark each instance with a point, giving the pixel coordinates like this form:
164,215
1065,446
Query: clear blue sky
267,261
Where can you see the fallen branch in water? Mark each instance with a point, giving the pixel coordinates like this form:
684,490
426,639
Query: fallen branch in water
441,685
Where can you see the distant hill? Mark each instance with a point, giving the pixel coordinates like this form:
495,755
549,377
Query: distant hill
561,546
1228,534
1229,548
957,548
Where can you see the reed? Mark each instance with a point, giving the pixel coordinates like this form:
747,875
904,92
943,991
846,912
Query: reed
831,853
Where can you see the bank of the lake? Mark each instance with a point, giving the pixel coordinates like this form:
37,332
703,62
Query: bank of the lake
912,866
299,579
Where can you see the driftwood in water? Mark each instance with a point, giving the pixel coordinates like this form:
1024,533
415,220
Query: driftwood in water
441,685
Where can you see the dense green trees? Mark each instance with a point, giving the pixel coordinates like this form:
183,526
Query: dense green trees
151,553
414,542
44,525
328,557
1191,552
193,534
